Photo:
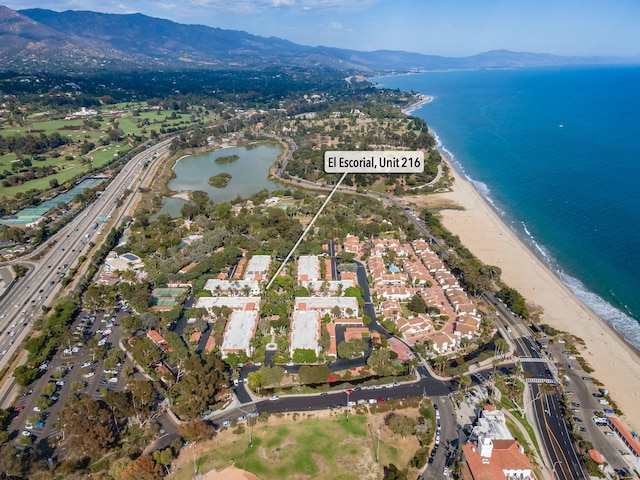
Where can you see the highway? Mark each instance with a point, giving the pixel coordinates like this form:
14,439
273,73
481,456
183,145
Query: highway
546,404
22,304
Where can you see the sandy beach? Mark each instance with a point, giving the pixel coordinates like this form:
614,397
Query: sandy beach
616,363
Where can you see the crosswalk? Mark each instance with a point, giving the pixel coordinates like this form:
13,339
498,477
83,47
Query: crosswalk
533,360
539,380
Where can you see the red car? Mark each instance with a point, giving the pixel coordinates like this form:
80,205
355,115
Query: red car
382,399
559,365
19,408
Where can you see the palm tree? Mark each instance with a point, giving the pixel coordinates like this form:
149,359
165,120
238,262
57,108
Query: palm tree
464,382
501,346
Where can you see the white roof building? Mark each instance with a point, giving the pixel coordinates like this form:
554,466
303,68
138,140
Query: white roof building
329,286
122,263
491,424
232,287
305,330
308,269
258,268
234,303
240,329
348,305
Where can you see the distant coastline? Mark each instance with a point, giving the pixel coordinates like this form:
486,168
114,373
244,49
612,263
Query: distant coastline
424,99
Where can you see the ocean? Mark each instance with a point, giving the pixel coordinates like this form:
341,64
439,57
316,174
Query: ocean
556,151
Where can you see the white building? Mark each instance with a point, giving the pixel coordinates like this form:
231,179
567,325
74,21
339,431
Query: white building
348,306
234,303
305,331
240,330
308,269
233,287
258,268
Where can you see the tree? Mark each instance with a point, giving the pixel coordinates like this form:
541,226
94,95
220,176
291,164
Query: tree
313,375
24,375
164,457
379,358
417,304
143,397
392,472
120,404
501,346
352,348
12,463
464,381
143,468
196,431
87,425
400,424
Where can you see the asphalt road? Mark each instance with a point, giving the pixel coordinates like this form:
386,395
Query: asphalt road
546,404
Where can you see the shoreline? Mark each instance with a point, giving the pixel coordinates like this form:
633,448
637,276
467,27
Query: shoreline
616,363
424,99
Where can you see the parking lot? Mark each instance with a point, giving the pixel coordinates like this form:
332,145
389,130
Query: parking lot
77,368
587,405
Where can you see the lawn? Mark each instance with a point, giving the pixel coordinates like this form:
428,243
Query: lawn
319,447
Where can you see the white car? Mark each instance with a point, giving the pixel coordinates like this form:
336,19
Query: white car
89,375
274,397
113,380
28,426
25,433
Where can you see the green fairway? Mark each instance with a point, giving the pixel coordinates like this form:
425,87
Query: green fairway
84,133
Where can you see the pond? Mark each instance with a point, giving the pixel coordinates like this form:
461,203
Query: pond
249,174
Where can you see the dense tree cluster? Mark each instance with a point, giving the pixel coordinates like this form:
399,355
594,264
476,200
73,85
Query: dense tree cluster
32,144
202,380
514,300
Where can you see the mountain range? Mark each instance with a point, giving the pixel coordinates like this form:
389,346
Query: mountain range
36,40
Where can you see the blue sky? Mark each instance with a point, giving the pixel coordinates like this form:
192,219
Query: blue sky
440,27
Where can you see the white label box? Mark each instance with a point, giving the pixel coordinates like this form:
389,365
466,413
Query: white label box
373,162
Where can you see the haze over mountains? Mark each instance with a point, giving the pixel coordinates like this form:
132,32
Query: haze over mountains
37,40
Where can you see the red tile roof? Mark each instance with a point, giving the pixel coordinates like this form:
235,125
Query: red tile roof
624,433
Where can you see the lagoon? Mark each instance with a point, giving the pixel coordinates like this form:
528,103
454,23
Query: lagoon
249,174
